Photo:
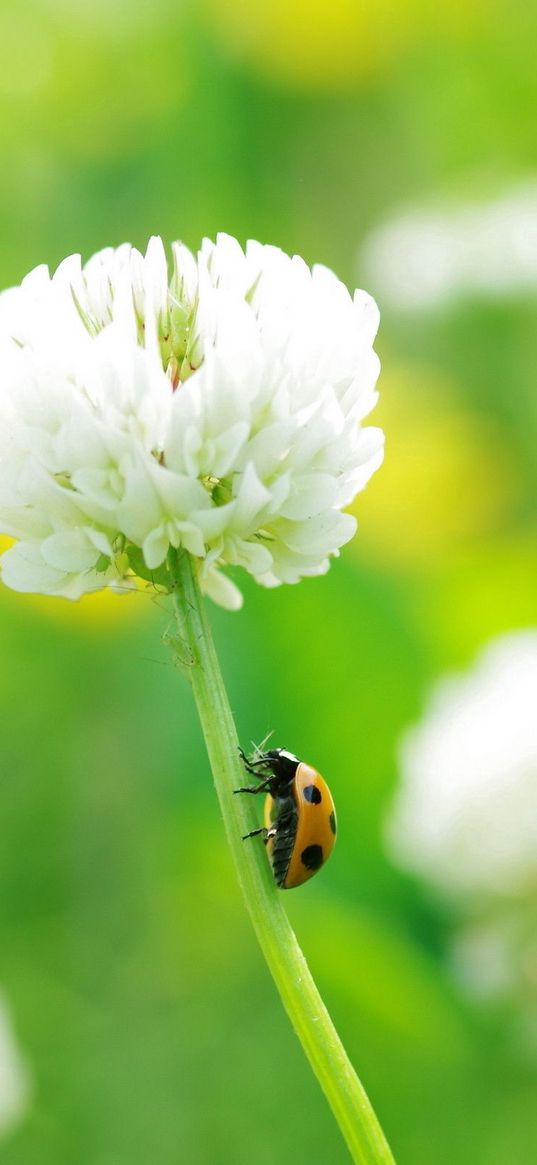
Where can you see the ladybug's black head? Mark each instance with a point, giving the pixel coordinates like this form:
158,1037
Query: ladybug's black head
282,763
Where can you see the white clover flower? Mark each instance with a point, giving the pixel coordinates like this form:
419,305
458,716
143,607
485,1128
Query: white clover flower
495,956
15,1084
219,411
430,256
465,815
465,819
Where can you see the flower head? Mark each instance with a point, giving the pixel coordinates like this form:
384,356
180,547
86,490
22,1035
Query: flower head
15,1079
218,410
465,815
465,819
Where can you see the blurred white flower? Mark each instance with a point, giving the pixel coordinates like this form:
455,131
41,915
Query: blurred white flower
219,411
465,814
15,1085
493,957
430,256
465,819
496,956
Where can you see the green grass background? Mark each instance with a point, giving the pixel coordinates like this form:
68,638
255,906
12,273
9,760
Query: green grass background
153,1032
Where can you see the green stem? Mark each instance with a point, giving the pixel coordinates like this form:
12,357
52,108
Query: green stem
287,964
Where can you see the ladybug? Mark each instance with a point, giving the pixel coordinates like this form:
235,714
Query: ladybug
300,818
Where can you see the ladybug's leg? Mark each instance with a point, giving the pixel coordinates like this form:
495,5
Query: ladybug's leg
249,765
256,833
263,787
252,766
265,779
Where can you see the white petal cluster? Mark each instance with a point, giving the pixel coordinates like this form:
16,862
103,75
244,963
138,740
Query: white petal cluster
465,815
218,410
15,1082
465,819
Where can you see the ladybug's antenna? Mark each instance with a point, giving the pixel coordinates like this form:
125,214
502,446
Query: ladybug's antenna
260,748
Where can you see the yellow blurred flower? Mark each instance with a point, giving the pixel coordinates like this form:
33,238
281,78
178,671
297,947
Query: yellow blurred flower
448,478
316,44
311,43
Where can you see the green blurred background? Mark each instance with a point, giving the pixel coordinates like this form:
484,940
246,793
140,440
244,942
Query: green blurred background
150,1026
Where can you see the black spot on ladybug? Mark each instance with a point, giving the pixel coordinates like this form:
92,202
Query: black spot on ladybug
333,823
312,857
312,794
